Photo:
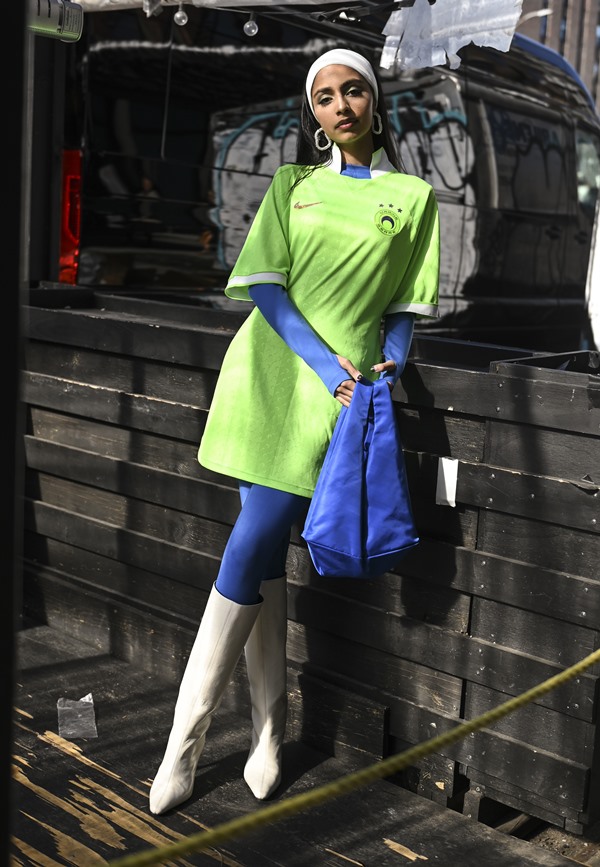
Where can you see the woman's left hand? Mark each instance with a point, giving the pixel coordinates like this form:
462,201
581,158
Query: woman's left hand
382,367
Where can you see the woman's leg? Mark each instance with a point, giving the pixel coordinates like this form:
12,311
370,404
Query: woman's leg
220,640
228,620
257,547
265,650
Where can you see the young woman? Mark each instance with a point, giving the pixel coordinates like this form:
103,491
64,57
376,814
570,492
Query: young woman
342,240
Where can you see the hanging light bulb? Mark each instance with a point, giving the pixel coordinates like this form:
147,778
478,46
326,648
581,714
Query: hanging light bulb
251,27
180,16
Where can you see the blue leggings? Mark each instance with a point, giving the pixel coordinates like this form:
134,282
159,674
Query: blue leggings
257,547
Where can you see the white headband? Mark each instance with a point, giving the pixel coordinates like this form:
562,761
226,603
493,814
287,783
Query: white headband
343,57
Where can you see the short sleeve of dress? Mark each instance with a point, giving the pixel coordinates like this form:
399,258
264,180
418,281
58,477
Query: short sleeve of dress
265,254
419,289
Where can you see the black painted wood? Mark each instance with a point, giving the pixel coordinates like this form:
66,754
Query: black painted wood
530,586
543,451
551,546
124,532
545,498
540,727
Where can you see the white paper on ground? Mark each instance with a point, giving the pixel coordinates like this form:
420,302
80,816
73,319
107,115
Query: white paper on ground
76,719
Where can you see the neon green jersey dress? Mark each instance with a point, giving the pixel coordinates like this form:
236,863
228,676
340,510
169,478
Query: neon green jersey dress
347,251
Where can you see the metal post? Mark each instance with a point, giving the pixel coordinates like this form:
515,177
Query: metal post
15,71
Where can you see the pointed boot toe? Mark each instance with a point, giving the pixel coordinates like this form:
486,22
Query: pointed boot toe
266,665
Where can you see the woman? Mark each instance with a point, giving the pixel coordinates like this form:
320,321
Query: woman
341,240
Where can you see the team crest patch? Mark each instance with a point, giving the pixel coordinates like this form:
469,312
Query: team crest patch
387,220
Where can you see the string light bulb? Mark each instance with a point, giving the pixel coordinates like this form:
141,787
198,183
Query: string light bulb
251,27
180,16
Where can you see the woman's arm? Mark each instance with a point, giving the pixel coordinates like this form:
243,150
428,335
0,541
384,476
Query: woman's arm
284,317
398,332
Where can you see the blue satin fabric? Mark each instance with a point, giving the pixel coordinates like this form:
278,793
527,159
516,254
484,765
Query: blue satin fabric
360,522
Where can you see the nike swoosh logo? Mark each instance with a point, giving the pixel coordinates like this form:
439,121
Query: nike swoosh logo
308,205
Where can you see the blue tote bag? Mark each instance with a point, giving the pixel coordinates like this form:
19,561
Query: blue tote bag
360,522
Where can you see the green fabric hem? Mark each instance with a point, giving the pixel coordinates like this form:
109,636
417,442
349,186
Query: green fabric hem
258,480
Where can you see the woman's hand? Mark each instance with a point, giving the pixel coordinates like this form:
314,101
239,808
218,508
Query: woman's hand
382,367
343,392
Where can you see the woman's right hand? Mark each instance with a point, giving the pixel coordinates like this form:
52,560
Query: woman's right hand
343,392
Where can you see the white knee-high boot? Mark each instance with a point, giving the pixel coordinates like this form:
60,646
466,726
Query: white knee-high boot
266,664
223,632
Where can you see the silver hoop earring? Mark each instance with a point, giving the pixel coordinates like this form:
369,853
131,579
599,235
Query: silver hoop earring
322,147
377,123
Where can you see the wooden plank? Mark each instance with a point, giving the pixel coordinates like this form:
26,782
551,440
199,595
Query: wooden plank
443,650
52,294
434,776
335,721
464,354
44,455
136,555
149,639
547,404
531,803
565,405
180,601
340,721
112,541
449,390
350,658
498,755
115,407
592,809
460,528
563,549
185,493
514,582
418,600
170,525
529,632
195,348
542,451
567,368
109,406
124,529
526,800
108,512
556,501
441,433
164,306
62,382
148,592
162,380
168,454
165,453
540,727
109,332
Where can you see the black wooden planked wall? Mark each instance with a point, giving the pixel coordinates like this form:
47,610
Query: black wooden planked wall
124,531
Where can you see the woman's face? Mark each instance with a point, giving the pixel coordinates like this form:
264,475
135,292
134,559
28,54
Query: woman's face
343,105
